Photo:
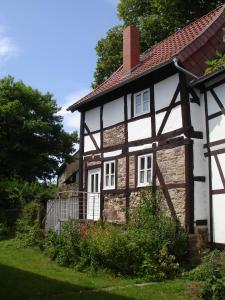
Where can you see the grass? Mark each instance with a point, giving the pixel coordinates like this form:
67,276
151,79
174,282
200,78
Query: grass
28,274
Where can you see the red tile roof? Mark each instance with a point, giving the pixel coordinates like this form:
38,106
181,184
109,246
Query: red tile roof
164,51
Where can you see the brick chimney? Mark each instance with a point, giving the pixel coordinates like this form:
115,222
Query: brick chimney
131,47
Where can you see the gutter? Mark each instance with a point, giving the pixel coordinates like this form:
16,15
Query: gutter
178,67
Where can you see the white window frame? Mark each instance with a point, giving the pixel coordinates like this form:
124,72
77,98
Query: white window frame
142,102
145,183
110,186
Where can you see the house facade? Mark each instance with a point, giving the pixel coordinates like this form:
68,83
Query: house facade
157,122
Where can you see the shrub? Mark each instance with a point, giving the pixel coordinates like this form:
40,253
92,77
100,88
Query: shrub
108,247
212,260
64,248
5,231
218,63
214,287
28,230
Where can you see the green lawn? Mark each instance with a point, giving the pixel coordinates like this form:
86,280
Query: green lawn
28,274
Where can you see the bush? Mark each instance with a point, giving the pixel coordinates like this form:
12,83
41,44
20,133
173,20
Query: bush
5,231
214,287
108,247
28,230
64,248
213,260
151,245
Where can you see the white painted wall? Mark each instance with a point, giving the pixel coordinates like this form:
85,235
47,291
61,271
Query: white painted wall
218,203
216,180
88,144
112,153
196,117
138,148
139,129
113,112
217,128
92,118
174,121
164,91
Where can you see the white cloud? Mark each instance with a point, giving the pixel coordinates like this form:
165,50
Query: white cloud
8,48
71,121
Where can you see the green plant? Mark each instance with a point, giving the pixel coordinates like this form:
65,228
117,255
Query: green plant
5,231
28,230
214,287
216,64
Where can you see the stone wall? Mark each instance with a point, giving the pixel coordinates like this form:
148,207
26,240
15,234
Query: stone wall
132,172
93,163
114,208
171,163
114,136
121,173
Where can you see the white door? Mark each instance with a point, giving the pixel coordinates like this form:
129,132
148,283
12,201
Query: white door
93,197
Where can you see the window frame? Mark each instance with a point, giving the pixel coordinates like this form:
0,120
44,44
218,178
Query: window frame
142,102
145,183
110,186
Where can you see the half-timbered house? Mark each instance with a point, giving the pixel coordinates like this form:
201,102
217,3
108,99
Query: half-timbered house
155,122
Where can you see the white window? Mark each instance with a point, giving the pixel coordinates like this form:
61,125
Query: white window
144,170
109,175
142,102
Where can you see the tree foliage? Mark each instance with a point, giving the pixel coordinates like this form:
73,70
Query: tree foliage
32,138
156,19
216,64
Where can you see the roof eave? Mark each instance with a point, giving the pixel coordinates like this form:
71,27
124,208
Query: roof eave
205,78
75,106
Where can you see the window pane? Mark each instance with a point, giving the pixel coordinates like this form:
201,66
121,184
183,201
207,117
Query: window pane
149,176
112,168
107,180
146,101
107,169
138,104
142,176
142,163
149,162
92,183
96,183
112,180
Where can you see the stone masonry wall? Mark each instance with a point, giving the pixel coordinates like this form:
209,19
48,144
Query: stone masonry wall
114,136
121,173
171,163
132,171
114,208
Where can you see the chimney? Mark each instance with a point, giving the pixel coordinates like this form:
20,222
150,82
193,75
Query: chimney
131,47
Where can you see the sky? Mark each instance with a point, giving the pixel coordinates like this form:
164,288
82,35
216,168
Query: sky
49,45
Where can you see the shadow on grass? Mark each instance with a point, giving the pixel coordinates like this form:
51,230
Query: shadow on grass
16,284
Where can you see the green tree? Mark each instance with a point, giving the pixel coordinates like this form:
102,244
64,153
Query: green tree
216,64
156,19
109,52
32,139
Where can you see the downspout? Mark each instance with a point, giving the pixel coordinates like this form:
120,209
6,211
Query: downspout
175,60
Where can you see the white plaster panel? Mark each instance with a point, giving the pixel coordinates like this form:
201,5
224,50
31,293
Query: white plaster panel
196,117
92,118
217,128
220,92
139,129
158,120
217,147
221,158
218,204
138,148
174,121
216,180
112,153
213,107
88,144
200,161
129,106
113,112
164,91
201,204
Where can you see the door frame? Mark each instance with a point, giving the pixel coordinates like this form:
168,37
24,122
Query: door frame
91,172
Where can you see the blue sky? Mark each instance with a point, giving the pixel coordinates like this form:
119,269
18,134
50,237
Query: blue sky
49,44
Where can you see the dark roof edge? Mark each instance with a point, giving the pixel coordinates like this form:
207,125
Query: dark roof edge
205,78
75,106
